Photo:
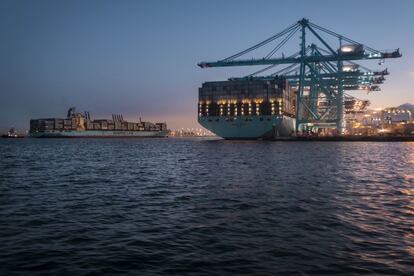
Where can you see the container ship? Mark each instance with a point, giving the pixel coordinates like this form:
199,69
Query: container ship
248,108
78,125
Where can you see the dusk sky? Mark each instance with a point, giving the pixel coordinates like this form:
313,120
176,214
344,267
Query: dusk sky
138,58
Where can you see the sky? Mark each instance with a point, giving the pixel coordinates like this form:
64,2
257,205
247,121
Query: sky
139,58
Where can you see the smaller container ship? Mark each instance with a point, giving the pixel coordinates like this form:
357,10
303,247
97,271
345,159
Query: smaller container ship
78,125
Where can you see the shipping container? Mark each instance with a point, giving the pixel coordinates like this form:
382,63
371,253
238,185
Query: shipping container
244,97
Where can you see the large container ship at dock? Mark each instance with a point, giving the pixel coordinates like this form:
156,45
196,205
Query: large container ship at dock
78,125
247,108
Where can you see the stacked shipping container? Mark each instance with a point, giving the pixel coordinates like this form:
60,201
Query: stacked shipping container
54,124
246,97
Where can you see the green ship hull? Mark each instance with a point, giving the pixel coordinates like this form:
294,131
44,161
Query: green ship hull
249,127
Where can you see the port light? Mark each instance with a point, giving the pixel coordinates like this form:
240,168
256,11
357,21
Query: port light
383,130
347,49
348,68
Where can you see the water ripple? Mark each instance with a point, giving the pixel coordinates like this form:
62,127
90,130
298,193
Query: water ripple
197,206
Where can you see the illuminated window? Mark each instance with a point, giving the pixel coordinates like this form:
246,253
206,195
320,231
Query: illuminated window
280,106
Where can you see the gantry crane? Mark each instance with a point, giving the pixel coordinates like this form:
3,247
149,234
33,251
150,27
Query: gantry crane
319,74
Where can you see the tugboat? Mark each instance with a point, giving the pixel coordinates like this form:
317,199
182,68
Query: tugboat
12,133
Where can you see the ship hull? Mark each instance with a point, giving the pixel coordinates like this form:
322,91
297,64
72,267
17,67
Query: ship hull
249,127
97,134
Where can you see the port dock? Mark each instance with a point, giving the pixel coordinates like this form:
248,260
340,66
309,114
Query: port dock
346,139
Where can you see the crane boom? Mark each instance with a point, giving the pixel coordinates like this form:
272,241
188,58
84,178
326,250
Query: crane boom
306,59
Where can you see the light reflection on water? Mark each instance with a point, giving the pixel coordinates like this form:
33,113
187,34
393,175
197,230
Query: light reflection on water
182,206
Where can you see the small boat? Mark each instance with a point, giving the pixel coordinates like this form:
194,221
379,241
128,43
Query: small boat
12,133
